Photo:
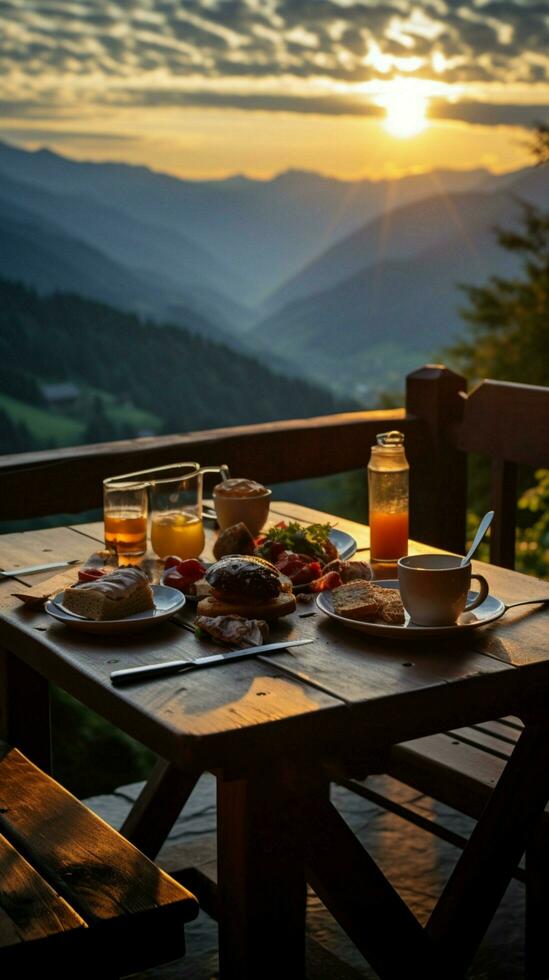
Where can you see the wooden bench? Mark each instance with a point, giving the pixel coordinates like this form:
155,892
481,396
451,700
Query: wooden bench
75,896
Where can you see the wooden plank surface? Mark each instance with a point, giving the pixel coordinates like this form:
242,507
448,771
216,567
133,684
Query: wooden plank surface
29,907
78,846
519,423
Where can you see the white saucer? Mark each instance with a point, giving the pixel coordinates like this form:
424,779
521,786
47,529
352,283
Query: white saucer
167,601
488,611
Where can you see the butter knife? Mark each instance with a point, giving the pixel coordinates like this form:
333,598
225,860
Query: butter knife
16,572
131,674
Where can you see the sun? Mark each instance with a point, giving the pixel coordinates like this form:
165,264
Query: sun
406,110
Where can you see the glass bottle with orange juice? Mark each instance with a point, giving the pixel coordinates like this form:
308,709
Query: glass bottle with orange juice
388,502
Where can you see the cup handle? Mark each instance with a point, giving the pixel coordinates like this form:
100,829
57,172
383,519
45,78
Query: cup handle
483,593
223,470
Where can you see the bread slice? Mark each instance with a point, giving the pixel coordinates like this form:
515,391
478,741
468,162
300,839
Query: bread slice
356,600
282,605
392,610
122,593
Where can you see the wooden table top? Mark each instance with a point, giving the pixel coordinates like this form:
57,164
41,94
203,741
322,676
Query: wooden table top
346,694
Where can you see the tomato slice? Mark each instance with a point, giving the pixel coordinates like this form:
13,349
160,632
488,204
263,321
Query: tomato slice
329,581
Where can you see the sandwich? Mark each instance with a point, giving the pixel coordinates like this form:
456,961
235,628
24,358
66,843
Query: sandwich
247,586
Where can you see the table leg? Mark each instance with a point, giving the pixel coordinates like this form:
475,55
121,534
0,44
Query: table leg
365,904
261,879
478,882
158,806
25,710
537,880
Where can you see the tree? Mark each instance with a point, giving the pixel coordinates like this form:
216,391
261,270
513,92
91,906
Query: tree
508,339
509,318
539,145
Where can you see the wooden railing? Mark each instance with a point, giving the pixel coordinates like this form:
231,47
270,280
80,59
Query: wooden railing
507,422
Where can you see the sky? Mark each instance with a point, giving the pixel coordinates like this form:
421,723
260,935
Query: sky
207,88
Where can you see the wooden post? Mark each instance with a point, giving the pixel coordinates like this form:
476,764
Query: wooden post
438,477
25,710
504,504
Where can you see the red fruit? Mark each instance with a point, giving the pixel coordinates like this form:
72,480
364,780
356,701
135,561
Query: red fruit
175,580
276,549
191,569
90,574
171,560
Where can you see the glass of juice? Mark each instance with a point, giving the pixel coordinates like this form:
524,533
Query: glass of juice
125,510
176,510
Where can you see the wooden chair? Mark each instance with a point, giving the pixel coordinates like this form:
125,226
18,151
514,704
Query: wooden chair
76,898
510,424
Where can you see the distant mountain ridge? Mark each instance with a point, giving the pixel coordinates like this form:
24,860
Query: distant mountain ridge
261,232
371,264
41,253
359,320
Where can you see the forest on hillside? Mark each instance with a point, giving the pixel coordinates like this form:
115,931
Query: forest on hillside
130,376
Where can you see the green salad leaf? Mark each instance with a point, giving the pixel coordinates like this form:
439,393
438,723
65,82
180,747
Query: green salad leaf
304,540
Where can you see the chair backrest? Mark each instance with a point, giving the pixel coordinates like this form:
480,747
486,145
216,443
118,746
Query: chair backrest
506,422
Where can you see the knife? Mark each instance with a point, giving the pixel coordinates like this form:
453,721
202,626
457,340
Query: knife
16,572
130,674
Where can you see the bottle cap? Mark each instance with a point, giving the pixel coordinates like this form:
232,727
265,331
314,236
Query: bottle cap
391,439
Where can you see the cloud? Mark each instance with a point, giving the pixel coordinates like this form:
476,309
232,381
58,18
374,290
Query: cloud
316,105
53,136
83,48
476,113
490,113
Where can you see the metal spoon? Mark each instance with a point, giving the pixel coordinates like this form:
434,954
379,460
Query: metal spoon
481,531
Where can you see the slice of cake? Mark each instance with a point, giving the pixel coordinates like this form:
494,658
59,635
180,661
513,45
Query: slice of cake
356,600
122,593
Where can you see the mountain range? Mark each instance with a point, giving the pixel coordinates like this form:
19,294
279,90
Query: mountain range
350,283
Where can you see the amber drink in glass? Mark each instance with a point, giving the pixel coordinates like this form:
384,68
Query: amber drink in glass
125,511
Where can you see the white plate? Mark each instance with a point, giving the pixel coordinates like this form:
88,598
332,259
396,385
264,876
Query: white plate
167,601
488,611
345,543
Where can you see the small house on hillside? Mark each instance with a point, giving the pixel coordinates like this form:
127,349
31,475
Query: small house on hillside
65,393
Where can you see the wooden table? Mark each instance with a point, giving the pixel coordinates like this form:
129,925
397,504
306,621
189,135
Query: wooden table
274,731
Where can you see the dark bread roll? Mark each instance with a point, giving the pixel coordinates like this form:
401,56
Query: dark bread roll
250,578
235,540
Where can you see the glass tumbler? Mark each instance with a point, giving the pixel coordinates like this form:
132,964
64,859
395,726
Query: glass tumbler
125,511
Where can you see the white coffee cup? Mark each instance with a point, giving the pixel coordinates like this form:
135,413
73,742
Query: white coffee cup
434,588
